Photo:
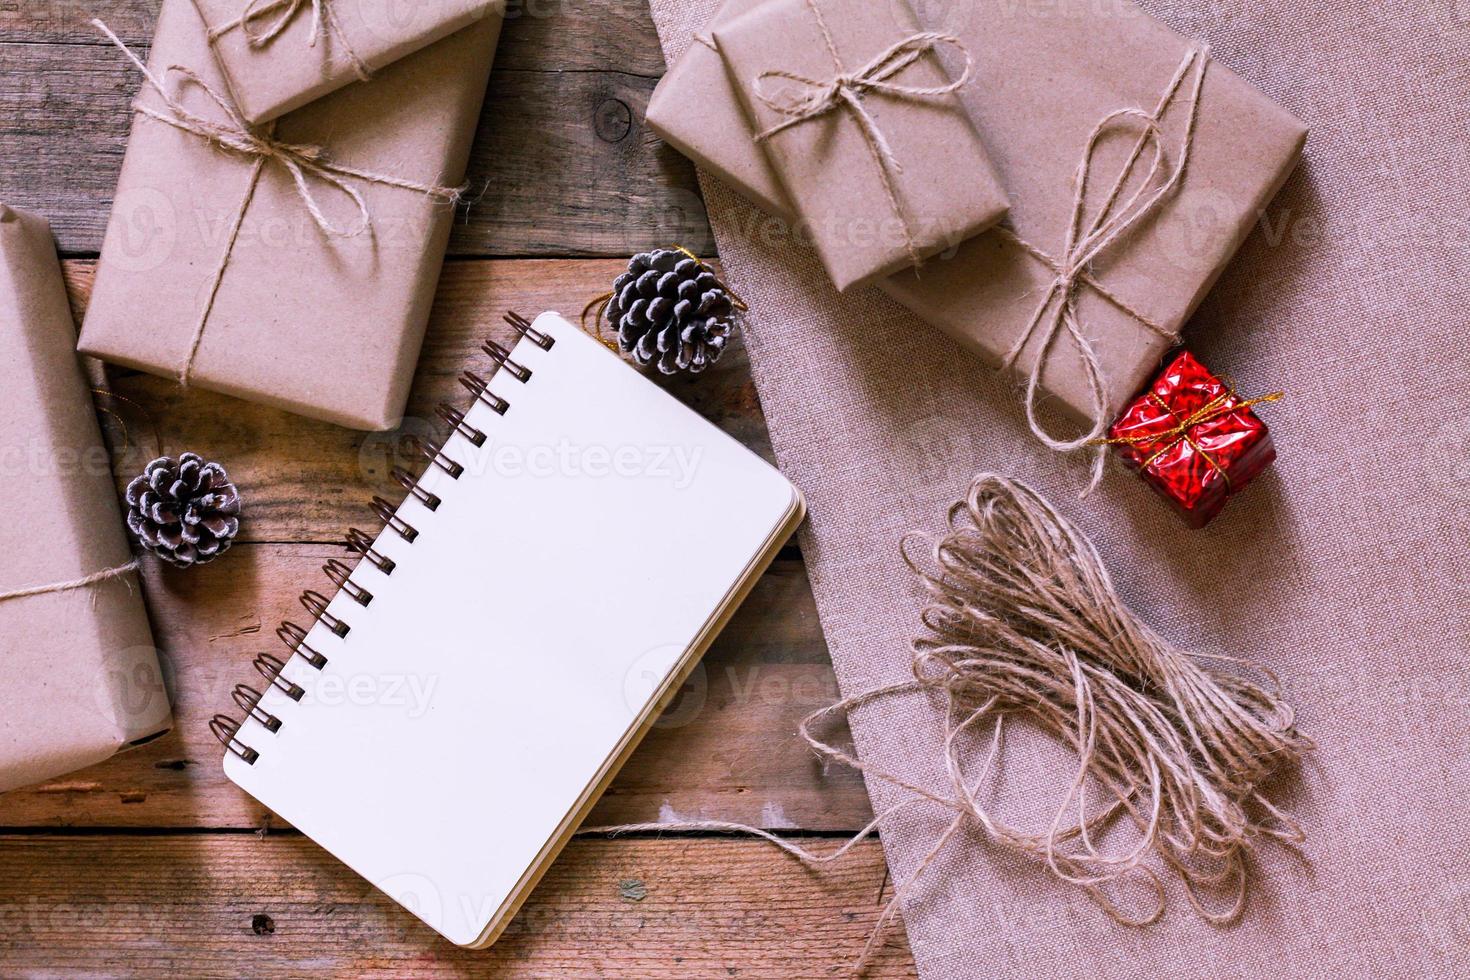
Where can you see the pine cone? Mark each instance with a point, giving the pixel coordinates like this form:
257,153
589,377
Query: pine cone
669,309
186,513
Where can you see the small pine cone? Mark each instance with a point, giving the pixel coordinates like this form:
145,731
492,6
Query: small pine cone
186,513
669,309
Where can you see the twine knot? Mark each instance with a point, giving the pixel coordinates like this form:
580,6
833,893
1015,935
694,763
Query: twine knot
814,98
308,165
1116,218
262,21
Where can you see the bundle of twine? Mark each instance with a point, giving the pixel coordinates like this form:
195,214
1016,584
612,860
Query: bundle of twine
1172,748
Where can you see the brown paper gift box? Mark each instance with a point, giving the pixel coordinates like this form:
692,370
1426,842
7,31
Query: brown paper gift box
326,325
82,679
278,55
695,110
877,198
1047,75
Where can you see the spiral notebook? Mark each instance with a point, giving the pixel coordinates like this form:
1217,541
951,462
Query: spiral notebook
506,641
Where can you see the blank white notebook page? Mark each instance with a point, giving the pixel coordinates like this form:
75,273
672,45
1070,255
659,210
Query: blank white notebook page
588,545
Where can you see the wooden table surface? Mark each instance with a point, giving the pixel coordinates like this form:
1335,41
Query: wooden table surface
155,862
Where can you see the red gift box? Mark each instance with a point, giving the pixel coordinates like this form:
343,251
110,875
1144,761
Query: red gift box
1193,439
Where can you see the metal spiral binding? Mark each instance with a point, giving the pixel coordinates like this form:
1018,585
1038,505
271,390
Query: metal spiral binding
295,639
502,360
389,515
248,700
523,327
456,420
226,729
271,667
411,484
362,543
435,456
340,574
316,604
480,388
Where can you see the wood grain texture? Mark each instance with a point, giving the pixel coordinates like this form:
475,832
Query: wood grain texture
726,749
310,481
561,166
153,863
205,906
540,35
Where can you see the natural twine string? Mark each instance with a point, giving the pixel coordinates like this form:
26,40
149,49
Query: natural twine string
323,21
1023,624
845,90
304,163
94,579
1058,306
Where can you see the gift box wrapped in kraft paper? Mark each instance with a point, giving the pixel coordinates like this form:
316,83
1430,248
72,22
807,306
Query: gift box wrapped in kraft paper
1135,165
292,264
278,55
694,108
860,119
82,679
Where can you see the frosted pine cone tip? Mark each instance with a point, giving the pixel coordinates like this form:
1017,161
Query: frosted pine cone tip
670,310
186,512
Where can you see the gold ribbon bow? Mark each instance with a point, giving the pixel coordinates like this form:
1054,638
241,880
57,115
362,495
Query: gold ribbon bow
323,21
1218,407
306,165
1086,242
845,90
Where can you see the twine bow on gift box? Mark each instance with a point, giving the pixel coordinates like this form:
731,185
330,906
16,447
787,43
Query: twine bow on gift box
1085,243
323,22
817,98
307,165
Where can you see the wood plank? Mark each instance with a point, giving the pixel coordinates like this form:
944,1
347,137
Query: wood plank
562,164
725,750
206,905
539,35
310,481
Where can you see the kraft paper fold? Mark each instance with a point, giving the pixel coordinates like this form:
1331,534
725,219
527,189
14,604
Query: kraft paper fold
278,55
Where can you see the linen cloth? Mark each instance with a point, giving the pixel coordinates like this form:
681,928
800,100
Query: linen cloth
1344,569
